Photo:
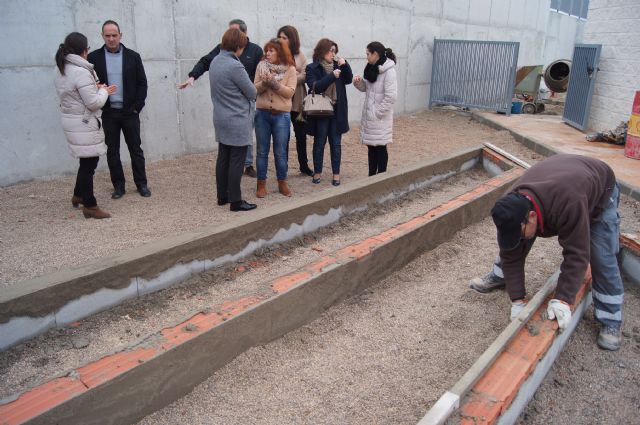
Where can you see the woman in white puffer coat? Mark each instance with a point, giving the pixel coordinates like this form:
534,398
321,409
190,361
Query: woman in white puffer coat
380,84
81,100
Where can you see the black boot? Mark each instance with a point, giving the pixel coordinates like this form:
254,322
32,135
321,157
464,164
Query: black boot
241,206
118,192
304,169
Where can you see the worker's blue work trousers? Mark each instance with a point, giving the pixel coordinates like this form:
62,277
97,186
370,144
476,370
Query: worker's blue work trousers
607,288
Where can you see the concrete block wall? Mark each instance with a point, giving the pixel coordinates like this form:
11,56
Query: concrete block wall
616,25
172,35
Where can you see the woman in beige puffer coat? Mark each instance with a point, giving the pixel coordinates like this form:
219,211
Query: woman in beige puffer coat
81,98
380,84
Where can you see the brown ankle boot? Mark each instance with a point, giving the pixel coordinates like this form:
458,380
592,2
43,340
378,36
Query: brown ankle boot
76,201
261,192
94,212
283,187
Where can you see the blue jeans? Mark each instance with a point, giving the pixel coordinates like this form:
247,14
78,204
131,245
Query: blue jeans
326,128
606,283
268,126
248,160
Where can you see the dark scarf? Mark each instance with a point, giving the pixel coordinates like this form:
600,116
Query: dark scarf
371,71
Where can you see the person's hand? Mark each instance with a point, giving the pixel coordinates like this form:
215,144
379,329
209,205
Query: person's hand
110,89
188,82
341,61
357,79
561,311
517,307
336,73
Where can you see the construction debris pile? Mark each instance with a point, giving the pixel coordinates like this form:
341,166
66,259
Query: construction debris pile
617,136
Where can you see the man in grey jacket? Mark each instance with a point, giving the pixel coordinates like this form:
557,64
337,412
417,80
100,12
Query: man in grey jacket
576,199
232,94
250,57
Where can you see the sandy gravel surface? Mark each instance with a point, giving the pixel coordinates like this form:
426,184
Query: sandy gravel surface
40,232
382,357
60,350
589,386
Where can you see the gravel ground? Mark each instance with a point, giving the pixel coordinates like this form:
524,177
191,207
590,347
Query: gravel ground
38,222
382,357
591,386
61,350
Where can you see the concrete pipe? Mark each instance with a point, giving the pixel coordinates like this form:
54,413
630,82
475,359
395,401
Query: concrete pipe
556,76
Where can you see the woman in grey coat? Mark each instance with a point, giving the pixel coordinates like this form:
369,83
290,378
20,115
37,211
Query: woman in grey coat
231,93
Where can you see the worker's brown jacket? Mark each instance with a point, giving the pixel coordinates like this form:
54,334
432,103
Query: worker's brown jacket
571,191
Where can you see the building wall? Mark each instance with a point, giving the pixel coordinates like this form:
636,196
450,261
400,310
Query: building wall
563,31
172,35
615,24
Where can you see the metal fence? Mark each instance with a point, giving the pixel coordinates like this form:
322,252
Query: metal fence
474,74
582,79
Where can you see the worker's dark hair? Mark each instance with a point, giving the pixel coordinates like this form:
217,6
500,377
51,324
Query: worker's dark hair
75,43
294,39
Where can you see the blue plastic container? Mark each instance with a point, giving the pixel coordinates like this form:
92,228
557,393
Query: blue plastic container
516,107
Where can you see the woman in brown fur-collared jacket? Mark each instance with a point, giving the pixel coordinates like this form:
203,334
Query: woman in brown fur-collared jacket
81,98
276,84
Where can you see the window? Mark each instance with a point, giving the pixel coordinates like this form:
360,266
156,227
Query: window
577,8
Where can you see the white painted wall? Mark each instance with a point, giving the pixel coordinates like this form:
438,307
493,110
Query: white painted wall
172,35
616,25
563,31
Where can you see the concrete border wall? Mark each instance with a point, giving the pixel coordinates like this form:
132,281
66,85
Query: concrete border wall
172,35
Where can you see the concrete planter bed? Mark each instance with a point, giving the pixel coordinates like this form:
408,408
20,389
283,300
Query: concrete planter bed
60,298
341,283
397,326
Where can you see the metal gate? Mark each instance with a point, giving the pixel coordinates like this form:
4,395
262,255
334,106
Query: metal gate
474,74
582,79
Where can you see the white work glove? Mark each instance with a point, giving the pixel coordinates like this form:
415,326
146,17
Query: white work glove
517,307
559,310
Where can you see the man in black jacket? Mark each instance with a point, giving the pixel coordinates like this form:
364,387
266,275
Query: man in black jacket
250,58
117,65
